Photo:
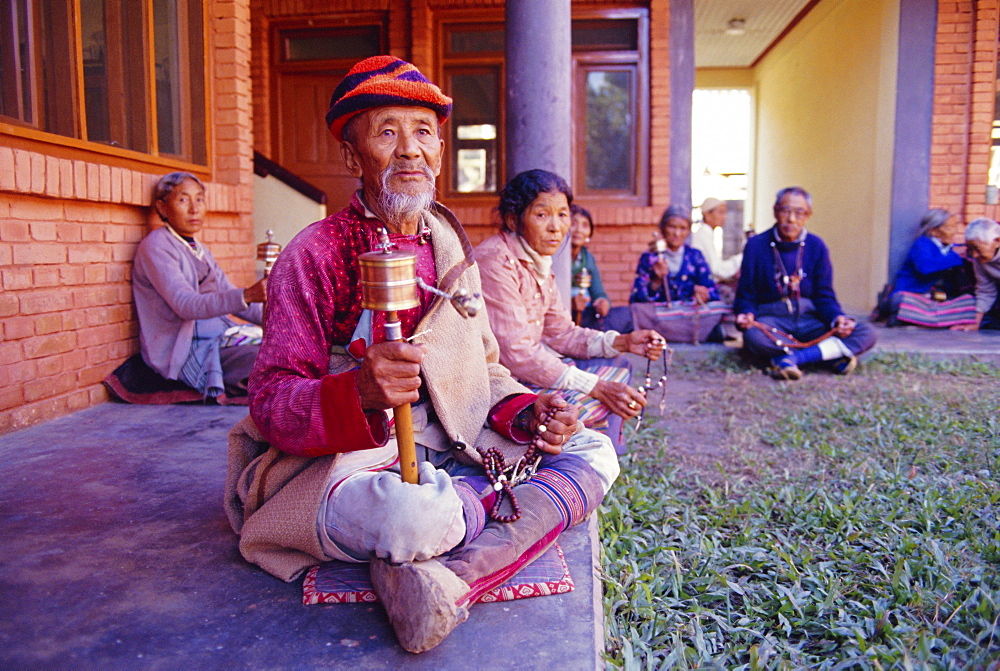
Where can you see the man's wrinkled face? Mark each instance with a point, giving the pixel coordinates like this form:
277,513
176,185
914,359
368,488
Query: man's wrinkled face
984,252
792,215
396,149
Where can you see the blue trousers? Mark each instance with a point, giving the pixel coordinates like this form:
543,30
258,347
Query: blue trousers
803,327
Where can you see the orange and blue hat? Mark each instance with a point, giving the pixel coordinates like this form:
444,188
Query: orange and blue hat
383,81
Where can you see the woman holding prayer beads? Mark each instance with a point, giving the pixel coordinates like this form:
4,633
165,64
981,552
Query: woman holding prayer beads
539,342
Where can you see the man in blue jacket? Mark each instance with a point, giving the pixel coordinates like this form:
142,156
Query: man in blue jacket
785,297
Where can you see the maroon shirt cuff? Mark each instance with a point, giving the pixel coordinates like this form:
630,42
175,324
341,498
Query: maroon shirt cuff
502,415
348,427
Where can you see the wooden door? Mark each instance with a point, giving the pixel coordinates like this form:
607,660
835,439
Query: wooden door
305,145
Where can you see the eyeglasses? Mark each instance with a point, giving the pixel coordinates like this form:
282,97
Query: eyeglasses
799,212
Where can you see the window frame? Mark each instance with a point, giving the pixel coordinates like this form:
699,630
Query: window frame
448,63
18,134
585,60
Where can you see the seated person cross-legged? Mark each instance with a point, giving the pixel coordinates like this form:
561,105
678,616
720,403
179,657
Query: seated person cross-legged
539,342
184,300
785,300
314,471
983,239
931,287
591,305
674,292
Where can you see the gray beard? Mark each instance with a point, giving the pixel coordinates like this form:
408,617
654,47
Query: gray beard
398,207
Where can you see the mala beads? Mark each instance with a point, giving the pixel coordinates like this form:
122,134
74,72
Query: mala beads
648,386
496,469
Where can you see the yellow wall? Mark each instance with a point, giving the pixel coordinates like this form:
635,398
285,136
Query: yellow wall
724,78
825,120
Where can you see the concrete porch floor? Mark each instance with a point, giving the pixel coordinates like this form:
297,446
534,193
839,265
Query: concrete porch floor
116,554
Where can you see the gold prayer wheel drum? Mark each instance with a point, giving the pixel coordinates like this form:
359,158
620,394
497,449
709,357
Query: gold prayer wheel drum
388,280
268,250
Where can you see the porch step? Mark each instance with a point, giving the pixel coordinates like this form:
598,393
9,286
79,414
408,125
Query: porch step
117,555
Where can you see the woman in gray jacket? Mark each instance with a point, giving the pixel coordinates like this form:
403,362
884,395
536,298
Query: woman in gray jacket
183,298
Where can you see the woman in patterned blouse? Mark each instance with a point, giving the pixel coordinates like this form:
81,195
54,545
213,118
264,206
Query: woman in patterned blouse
677,272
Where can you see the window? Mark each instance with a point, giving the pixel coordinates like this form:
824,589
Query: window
609,99
609,108
123,73
474,78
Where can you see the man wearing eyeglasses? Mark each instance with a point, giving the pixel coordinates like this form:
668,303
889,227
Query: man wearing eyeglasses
785,302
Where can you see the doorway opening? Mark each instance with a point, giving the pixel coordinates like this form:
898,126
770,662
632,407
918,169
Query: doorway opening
720,158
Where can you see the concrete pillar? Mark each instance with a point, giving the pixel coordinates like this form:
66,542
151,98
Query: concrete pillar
911,163
681,94
539,97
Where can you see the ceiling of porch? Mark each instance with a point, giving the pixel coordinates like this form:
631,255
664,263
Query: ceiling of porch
734,33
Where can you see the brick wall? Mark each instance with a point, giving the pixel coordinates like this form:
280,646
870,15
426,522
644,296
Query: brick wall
964,89
68,232
624,231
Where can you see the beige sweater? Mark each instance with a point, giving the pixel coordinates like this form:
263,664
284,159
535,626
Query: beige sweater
273,498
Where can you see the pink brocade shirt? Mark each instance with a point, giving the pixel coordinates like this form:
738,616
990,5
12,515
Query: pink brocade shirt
314,305
526,312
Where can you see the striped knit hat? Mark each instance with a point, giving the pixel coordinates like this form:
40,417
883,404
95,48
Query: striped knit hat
383,81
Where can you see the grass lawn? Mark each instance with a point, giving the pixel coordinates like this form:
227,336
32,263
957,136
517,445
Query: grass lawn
847,523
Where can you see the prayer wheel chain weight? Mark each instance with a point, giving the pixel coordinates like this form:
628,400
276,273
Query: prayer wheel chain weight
388,280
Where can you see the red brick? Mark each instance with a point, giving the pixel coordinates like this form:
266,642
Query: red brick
45,276
80,179
9,304
50,365
47,300
39,252
48,323
15,328
70,275
89,254
104,182
16,278
11,397
37,173
7,181
42,230
93,182
52,176
22,170
14,231
65,178
47,345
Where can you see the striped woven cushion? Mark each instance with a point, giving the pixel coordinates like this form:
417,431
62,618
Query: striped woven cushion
342,582
593,413
923,311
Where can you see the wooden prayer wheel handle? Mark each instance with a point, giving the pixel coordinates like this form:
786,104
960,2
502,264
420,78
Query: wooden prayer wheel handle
388,284
405,443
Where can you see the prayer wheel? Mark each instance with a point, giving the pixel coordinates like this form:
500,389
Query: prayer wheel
388,280
389,284
268,251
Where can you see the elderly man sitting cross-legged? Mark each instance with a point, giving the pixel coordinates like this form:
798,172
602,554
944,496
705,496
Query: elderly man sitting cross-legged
315,476
785,300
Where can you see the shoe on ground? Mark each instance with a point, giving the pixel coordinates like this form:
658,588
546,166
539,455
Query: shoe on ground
785,368
845,365
421,600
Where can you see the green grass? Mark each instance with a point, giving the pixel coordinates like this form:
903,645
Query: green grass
881,550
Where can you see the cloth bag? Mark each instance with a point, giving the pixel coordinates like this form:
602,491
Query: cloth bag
924,311
680,321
